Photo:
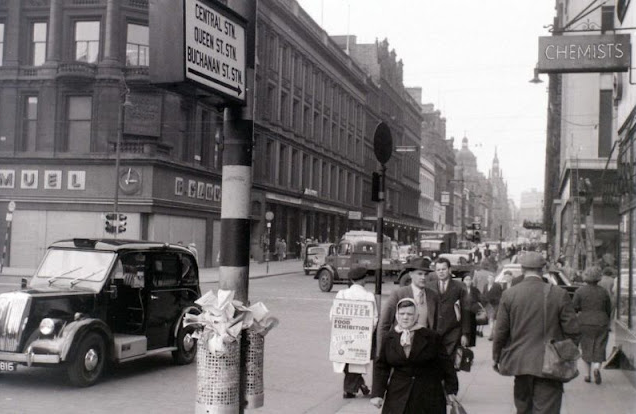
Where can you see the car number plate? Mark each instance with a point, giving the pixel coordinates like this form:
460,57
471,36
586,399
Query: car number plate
8,366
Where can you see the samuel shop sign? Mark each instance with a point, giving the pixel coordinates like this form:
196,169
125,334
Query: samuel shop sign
351,331
584,53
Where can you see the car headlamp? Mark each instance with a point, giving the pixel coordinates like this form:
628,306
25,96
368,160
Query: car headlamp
47,326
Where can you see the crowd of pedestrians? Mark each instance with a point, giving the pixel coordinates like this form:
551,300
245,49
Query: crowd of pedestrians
425,326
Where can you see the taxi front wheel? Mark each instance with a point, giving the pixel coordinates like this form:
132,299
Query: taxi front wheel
87,365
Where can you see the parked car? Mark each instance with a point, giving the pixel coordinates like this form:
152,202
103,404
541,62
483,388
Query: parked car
556,279
315,255
94,302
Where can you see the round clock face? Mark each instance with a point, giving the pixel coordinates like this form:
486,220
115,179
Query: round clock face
129,180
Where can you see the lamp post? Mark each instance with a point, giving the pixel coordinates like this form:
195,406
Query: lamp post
120,132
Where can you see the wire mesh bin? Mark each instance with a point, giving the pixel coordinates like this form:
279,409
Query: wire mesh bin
252,349
218,378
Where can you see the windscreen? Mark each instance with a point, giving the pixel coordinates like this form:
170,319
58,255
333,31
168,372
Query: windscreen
73,268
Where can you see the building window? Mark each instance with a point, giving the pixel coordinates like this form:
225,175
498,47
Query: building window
296,116
87,41
284,109
29,123
137,45
316,176
325,180
283,163
272,52
79,124
295,170
1,42
270,110
333,190
202,156
38,46
306,172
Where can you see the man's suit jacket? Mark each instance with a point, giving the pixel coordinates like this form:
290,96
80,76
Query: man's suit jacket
518,343
387,319
448,326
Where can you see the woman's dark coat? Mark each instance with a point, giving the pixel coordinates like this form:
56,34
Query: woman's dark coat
473,298
415,384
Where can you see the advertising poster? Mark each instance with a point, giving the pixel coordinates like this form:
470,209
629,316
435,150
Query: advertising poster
351,331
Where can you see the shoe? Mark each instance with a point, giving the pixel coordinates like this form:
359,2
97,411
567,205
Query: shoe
586,379
597,376
365,390
348,395
490,338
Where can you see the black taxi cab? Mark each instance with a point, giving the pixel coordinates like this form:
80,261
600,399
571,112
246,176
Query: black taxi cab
96,302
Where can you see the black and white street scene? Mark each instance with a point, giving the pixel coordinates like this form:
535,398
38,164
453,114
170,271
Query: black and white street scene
317,206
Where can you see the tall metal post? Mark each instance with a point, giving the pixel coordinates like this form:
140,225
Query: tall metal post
238,133
380,237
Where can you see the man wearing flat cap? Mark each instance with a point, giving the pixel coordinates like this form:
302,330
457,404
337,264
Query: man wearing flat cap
426,299
353,380
518,344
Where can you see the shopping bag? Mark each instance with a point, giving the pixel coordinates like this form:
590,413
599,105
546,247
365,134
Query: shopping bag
463,360
457,408
560,360
481,316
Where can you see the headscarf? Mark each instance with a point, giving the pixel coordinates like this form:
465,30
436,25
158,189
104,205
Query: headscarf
405,338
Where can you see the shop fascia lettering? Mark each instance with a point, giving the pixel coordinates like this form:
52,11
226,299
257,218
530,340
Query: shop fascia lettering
590,51
51,179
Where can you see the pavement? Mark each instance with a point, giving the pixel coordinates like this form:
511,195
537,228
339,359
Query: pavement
481,391
12,275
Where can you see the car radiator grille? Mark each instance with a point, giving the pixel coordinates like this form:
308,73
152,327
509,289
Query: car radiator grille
13,316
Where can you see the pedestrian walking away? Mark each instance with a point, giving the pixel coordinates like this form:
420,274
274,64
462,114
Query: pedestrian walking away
426,299
524,324
353,380
453,316
413,370
492,296
594,308
474,304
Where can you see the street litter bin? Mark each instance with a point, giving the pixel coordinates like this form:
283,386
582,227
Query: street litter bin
218,379
252,351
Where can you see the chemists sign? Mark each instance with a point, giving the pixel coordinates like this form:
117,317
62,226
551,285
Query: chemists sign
214,49
351,331
584,53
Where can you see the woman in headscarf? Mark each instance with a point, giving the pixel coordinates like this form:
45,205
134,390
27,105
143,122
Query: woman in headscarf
414,359
594,308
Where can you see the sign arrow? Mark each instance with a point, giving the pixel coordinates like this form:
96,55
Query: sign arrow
236,89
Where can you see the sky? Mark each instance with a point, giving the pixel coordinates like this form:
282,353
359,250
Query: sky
473,60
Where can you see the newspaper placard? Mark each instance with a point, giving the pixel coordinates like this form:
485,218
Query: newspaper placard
351,331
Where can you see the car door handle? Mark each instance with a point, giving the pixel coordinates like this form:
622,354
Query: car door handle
153,297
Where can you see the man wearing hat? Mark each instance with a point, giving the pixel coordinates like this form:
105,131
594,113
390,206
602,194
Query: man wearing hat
426,299
519,343
353,380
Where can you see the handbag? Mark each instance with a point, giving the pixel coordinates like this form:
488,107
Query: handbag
463,360
560,358
481,316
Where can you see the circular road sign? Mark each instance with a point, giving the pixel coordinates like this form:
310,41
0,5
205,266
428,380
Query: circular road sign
269,216
382,143
11,206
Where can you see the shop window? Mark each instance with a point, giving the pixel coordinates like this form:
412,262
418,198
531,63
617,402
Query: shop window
87,41
137,45
38,44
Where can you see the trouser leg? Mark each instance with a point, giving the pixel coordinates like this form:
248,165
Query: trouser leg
352,382
547,396
523,391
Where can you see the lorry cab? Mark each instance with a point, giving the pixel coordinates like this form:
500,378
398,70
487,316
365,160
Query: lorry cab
348,253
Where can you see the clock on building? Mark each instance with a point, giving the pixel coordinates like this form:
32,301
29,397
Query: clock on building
129,180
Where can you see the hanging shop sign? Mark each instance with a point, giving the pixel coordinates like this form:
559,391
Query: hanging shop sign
584,53
198,44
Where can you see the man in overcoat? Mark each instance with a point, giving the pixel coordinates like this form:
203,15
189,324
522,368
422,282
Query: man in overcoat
453,316
519,341
426,299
